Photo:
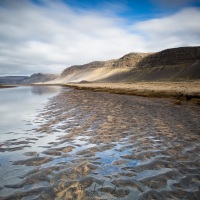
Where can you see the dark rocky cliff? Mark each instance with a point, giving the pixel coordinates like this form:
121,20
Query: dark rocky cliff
175,56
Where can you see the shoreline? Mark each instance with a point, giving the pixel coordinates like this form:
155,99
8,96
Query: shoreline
180,91
7,86
176,91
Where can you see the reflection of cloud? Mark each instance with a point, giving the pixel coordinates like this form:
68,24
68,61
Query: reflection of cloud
51,36
20,103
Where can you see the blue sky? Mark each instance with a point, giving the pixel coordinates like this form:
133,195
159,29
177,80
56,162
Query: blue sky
131,9
50,35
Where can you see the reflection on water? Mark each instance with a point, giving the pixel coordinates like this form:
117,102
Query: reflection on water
19,104
42,90
19,107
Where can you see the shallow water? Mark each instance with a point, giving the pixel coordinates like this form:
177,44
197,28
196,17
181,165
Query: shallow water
95,145
19,109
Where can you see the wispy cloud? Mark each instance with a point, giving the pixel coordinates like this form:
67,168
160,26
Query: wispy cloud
180,29
48,38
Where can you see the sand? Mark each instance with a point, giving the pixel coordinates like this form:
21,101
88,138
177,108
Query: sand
189,91
7,86
113,146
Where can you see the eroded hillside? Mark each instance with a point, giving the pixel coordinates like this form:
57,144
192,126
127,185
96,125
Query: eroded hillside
177,64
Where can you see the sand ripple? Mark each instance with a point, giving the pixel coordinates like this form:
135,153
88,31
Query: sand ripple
112,147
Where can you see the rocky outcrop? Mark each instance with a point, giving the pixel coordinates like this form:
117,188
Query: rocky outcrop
130,60
175,56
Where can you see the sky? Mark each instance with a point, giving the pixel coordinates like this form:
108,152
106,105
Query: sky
48,36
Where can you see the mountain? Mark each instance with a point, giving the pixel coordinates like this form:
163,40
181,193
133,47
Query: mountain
11,80
176,64
38,78
35,78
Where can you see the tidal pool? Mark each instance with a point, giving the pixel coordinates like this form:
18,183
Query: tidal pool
95,145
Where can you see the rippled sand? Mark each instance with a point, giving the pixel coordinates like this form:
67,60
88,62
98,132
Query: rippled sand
112,146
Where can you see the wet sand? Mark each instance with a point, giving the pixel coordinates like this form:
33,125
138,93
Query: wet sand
111,146
7,86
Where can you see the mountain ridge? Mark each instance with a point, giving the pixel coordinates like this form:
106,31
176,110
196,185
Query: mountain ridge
175,64
34,78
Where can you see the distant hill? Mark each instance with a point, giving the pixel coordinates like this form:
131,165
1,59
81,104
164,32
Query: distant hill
39,78
35,78
11,80
176,64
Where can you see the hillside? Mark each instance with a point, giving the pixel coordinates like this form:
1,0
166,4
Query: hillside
11,80
38,78
177,64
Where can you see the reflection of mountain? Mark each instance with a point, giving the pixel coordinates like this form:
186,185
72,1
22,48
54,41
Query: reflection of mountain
177,64
40,90
35,78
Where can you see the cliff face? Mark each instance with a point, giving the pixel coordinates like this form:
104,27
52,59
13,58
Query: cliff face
177,64
130,60
175,56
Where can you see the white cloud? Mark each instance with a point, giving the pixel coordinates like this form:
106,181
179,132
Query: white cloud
51,37
174,3
180,29
56,36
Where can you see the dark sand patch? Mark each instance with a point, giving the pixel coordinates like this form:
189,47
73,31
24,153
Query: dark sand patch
35,161
32,153
7,86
